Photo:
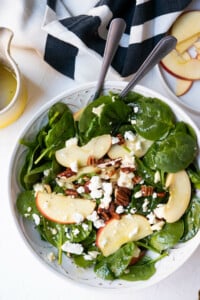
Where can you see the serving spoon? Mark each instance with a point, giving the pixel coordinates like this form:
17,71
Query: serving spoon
116,29
162,48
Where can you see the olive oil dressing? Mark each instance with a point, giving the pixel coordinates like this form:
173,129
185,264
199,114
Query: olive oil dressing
8,84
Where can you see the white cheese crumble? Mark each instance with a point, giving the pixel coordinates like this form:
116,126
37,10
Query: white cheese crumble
74,248
125,180
46,172
115,140
98,110
95,187
36,219
128,162
78,218
130,136
157,177
145,205
80,189
119,209
38,187
138,194
151,217
97,222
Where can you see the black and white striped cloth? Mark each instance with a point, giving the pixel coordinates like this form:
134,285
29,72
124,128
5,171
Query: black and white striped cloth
75,44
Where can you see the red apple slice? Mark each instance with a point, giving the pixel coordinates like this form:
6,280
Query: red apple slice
180,193
175,64
118,232
182,86
63,209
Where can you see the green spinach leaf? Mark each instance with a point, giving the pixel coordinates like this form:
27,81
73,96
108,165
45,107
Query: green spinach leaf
191,220
168,236
114,265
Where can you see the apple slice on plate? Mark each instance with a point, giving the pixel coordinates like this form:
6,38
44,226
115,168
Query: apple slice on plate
186,26
180,193
175,64
182,86
118,232
63,209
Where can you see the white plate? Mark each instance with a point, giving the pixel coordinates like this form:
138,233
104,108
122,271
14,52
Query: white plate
76,99
189,100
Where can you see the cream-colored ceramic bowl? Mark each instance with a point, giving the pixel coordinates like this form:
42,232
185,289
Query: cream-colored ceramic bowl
76,99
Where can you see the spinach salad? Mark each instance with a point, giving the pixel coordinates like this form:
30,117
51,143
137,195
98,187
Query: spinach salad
112,184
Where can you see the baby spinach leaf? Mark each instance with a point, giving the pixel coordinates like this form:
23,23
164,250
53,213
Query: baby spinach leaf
114,265
62,130
142,270
194,174
56,112
35,175
82,262
75,232
26,204
168,236
176,152
102,116
191,220
154,119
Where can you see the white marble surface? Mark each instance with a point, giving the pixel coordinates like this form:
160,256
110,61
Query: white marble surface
22,276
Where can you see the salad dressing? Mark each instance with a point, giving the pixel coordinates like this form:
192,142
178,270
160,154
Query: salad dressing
8,85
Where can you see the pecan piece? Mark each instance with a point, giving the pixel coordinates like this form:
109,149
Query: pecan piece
127,169
137,179
122,196
67,173
107,214
71,192
146,190
91,161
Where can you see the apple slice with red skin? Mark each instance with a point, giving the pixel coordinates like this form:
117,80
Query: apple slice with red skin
175,64
63,209
117,232
182,86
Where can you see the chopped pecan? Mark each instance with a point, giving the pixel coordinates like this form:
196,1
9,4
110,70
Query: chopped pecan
71,192
127,169
112,210
103,213
161,194
107,214
91,161
122,196
146,190
137,179
67,173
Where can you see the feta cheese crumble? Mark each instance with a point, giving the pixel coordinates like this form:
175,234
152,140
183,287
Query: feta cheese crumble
74,248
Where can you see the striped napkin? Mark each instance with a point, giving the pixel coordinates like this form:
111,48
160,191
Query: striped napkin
70,35
75,44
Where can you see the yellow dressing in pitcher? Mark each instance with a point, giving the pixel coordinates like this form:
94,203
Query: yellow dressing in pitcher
8,85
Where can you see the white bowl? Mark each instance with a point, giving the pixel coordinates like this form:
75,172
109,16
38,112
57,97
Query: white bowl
77,98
